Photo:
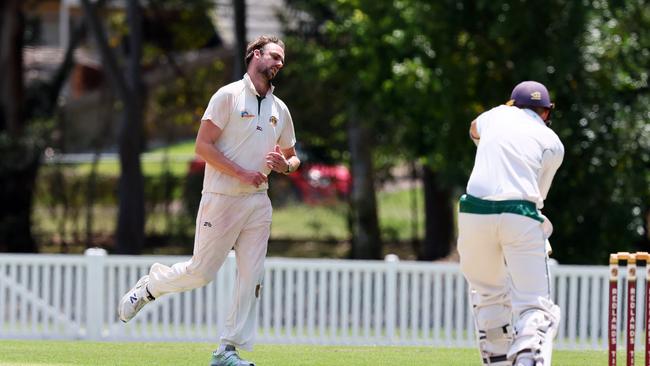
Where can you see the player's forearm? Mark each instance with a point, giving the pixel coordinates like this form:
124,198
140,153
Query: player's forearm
551,161
217,160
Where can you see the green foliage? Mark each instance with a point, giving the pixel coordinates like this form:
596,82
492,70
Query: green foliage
421,71
175,108
20,160
602,191
168,26
66,198
180,25
64,194
22,151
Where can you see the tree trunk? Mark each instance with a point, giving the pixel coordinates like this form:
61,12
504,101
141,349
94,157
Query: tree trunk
130,224
239,67
16,188
366,239
439,219
19,154
11,60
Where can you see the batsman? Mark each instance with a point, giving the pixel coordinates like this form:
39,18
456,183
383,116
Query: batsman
502,234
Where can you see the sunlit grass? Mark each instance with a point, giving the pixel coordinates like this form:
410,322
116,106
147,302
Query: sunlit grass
59,353
173,159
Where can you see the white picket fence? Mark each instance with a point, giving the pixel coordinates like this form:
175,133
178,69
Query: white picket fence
308,301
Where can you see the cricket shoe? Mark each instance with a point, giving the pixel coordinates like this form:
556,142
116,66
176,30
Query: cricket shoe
134,300
228,357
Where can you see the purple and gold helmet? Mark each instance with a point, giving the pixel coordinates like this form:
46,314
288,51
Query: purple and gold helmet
530,94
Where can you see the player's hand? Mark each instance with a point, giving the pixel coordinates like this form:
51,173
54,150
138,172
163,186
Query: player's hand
275,160
253,178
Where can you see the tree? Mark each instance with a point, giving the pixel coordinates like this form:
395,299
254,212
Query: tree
240,38
171,26
19,143
601,195
366,239
352,60
420,75
478,51
28,110
130,224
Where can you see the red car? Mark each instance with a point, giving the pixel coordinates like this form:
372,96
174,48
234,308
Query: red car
316,181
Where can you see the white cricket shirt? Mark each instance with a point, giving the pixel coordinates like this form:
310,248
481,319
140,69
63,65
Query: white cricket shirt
516,158
250,130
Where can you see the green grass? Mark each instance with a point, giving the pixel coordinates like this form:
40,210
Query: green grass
330,221
112,167
59,353
151,161
182,148
396,215
301,221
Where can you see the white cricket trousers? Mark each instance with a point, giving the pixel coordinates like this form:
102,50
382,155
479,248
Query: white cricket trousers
504,260
223,223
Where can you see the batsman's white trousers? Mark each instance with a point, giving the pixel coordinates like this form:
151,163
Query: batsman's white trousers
503,257
223,223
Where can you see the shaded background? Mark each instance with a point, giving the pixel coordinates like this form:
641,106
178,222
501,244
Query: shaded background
97,124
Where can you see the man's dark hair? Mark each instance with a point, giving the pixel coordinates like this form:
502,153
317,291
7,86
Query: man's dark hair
258,44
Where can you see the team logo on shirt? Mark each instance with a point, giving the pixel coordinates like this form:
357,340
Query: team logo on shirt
273,120
245,114
535,96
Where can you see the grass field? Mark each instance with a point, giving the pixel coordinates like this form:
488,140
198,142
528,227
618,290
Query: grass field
59,353
151,161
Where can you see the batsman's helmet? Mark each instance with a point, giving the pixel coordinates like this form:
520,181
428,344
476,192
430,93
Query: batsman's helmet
530,94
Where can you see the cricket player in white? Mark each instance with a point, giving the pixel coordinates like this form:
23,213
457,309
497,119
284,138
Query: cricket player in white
502,233
245,133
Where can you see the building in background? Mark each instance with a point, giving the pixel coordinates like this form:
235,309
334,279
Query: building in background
86,99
